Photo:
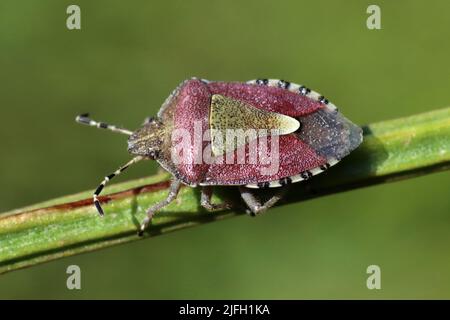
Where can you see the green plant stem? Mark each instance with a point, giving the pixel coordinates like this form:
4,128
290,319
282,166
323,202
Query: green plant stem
391,150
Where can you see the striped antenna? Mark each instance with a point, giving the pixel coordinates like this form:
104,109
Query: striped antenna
84,119
108,178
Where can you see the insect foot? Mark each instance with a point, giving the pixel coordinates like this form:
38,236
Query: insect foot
145,223
173,192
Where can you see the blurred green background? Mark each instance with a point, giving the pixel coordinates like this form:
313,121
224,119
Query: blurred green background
124,62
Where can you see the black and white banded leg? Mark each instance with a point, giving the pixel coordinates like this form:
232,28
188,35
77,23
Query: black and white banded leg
173,192
254,204
84,119
205,200
108,178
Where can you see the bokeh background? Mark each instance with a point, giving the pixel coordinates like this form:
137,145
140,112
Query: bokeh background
124,62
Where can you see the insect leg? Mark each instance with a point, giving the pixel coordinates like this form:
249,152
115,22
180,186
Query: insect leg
173,192
254,204
84,119
108,178
206,200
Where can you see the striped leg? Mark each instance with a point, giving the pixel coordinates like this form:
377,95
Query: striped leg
84,119
108,178
173,192
254,204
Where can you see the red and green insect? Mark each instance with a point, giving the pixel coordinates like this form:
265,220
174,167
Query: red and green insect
210,133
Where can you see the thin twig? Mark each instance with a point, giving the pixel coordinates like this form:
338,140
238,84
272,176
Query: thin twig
392,150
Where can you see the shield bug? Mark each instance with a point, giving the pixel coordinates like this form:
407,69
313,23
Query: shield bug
263,133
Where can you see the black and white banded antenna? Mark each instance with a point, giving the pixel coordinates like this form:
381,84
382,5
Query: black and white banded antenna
84,119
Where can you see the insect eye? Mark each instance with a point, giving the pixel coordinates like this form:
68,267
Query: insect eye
154,154
149,120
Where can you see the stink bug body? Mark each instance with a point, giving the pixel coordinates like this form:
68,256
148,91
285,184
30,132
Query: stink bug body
222,133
